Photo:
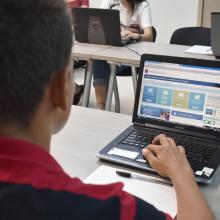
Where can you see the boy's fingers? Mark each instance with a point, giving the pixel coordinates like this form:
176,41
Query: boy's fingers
149,156
172,142
161,139
155,149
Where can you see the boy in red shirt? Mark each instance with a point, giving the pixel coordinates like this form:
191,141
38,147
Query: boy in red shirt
78,3
36,93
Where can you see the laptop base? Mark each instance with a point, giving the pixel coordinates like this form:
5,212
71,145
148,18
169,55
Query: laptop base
131,155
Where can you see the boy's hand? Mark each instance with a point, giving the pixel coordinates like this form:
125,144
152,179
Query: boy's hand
166,158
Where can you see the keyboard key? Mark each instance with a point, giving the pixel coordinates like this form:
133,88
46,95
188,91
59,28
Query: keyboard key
196,149
141,160
130,140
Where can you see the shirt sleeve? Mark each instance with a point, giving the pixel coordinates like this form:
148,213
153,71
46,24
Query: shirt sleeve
105,4
145,15
85,3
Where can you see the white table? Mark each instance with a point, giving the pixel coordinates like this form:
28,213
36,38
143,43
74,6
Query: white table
114,56
85,52
118,56
168,50
130,56
87,132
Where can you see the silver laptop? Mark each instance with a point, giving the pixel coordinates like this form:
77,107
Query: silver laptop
179,97
215,34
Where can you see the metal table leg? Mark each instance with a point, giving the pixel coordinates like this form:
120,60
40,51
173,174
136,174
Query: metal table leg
110,87
134,78
116,94
87,87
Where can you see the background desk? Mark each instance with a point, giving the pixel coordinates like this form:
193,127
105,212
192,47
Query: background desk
113,55
85,52
89,130
167,49
129,55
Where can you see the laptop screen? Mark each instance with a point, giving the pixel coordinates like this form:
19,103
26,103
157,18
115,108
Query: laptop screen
182,94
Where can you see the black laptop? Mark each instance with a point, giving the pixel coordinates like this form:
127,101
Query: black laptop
215,34
179,97
98,26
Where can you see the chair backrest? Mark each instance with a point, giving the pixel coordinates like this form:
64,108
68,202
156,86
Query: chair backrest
154,33
190,36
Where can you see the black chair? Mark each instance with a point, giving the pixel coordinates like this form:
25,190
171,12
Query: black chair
190,36
154,33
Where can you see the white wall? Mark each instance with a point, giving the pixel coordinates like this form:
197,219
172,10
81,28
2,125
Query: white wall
169,15
209,6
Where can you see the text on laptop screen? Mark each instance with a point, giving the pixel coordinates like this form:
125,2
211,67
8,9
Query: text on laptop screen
180,94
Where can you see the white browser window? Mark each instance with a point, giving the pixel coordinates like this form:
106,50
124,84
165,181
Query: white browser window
182,94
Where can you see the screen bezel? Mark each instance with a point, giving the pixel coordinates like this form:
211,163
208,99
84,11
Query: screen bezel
170,125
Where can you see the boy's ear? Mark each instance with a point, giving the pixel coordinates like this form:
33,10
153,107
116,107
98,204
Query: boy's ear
60,91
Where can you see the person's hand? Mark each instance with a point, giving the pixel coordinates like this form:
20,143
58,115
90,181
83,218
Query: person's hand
125,34
129,34
134,28
166,158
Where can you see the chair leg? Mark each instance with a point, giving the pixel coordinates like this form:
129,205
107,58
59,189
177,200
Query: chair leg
116,94
134,78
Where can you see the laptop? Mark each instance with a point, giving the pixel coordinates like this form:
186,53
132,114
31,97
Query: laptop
215,33
179,97
98,26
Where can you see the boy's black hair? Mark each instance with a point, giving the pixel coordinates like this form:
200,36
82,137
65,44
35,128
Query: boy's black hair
35,43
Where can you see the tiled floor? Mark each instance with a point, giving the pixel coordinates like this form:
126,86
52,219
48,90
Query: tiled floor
126,92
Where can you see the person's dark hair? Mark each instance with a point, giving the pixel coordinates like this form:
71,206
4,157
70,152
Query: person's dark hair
133,3
35,43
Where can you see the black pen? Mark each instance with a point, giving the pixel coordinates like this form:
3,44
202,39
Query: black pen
146,179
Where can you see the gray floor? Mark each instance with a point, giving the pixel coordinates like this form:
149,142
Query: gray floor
126,92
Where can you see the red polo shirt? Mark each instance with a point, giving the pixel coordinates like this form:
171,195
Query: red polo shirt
78,3
34,186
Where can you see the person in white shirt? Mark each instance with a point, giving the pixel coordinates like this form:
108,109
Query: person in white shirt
135,18
107,4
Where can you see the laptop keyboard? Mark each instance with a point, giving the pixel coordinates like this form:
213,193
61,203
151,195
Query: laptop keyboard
195,150
126,41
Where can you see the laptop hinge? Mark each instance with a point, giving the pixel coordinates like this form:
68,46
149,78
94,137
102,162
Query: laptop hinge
180,131
137,124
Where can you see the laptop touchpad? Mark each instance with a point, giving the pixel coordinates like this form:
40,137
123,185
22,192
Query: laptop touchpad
123,153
